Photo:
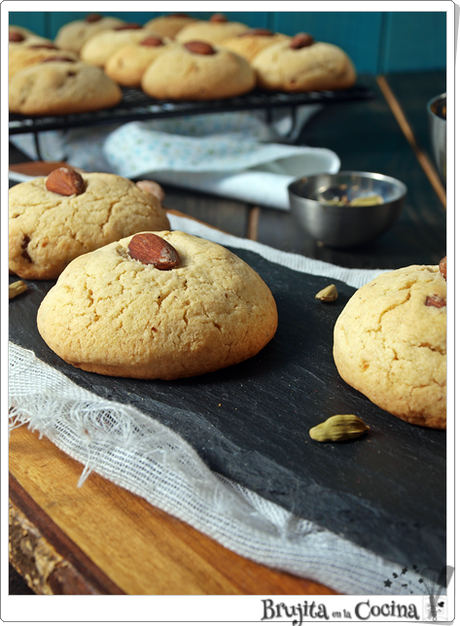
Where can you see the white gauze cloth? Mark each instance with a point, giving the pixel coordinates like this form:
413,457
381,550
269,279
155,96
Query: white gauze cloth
143,456
233,155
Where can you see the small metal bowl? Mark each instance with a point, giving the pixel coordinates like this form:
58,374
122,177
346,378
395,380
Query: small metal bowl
344,226
437,124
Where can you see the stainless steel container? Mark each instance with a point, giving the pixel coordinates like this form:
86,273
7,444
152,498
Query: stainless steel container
311,201
437,124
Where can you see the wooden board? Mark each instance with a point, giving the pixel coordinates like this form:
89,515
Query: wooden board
101,539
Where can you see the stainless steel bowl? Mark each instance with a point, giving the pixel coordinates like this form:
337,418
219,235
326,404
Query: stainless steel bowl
437,124
336,226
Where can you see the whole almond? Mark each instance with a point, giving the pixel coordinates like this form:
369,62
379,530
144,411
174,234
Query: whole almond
131,26
65,181
15,36
443,267
436,301
93,17
257,32
152,187
302,40
60,58
199,47
218,17
152,42
150,249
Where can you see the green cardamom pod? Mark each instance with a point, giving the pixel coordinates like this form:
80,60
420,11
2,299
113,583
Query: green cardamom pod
339,428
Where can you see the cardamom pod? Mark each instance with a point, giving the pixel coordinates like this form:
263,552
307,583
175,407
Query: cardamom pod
328,294
14,289
339,428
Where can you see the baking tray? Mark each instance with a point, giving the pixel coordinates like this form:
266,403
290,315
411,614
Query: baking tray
137,106
385,491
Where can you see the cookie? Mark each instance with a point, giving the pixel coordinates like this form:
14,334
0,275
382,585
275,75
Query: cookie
34,53
197,71
19,36
169,25
48,229
300,65
127,65
214,31
111,314
61,86
390,344
249,43
100,47
74,34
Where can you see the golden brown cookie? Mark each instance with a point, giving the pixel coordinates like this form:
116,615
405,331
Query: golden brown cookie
127,65
61,86
20,36
197,71
169,25
390,344
300,65
214,31
74,34
48,228
100,47
34,53
249,43
112,314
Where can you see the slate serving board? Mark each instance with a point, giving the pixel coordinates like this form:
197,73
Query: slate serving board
250,422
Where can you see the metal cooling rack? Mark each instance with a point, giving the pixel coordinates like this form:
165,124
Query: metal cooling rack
137,106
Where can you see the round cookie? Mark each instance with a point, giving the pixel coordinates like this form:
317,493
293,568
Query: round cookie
299,65
214,31
197,71
114,315
47,229
249,43
61,87
100,47
74,34
127,65
19,36
32,54
169,25
390,344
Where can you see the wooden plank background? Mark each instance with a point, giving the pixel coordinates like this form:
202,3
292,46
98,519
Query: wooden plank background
378,42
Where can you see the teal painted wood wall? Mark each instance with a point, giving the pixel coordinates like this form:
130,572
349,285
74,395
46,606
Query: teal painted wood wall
378,42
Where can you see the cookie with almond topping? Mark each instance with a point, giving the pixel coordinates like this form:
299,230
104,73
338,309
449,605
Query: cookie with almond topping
55,219
59,85
300,64
117,312
390,343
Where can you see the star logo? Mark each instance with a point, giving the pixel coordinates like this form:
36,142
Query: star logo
388,583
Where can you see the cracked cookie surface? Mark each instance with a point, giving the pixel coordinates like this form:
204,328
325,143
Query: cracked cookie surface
48,230
390,344
111,314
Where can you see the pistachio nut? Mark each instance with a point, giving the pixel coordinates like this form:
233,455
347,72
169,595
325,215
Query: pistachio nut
328,294
339,428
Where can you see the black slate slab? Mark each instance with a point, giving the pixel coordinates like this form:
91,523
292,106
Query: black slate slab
250,422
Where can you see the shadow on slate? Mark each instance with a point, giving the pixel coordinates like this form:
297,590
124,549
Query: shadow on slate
385,491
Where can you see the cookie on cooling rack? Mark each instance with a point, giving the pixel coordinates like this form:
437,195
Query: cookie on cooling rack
55,219
249,43
100,47
169,25
73,35
300,64
390,343
197,70
59,85
34,53
163,305
127,65
214,31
